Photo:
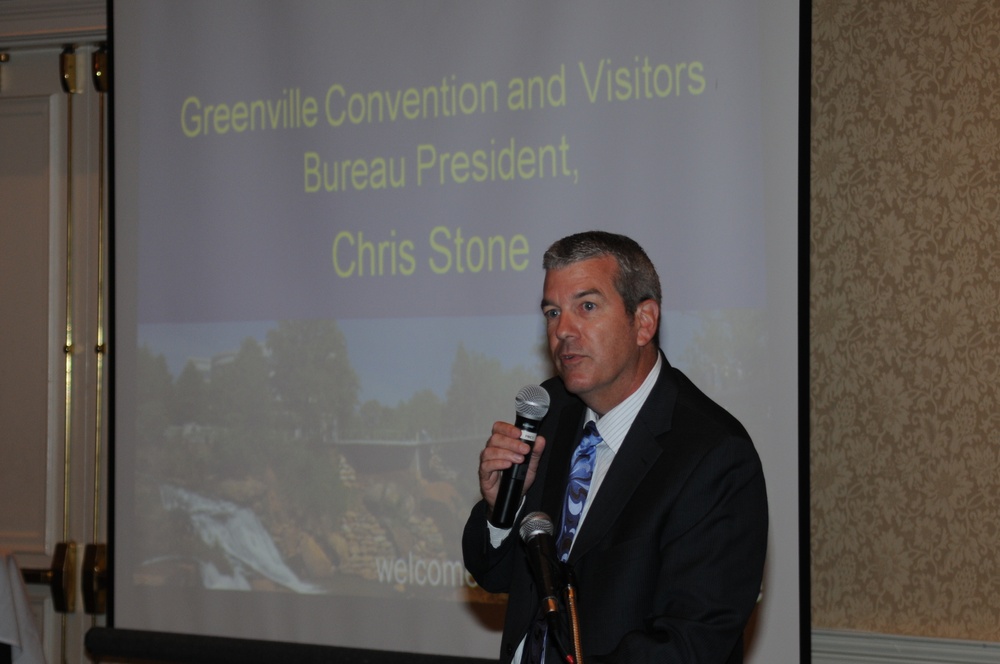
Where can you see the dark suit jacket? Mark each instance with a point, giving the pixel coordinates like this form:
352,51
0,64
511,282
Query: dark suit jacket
668,562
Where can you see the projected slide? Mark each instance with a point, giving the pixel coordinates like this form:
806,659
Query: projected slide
330,218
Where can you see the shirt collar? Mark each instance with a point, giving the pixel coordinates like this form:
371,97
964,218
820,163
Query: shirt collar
617,421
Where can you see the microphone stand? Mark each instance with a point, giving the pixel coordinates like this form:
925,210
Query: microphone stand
574,624
569,594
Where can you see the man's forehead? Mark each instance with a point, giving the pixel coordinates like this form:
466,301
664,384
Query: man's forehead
579,281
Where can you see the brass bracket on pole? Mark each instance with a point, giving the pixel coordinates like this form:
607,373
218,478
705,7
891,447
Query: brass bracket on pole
94,579
60,577
99,69
67,71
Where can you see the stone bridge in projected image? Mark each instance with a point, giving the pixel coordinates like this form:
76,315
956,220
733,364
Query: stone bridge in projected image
426,456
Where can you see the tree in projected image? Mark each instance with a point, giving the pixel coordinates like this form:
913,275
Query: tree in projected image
273,435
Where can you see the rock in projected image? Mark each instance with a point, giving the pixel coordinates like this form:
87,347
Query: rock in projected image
237,533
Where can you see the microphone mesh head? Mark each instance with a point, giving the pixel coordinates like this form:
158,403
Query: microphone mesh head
536,523
532,401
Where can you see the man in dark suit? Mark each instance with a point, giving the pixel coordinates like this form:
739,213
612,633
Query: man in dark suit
668,552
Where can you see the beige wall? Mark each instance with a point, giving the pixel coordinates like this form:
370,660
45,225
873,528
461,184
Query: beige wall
904,339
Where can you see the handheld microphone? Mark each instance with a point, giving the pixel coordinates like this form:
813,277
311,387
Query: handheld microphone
531,404
537,531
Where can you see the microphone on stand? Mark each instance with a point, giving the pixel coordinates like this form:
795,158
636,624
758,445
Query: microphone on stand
531,404
537,531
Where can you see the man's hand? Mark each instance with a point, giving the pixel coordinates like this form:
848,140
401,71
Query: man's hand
503,450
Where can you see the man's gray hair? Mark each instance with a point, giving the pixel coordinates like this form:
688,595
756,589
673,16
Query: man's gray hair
636,281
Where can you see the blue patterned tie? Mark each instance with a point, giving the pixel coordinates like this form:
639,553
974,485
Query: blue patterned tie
580,474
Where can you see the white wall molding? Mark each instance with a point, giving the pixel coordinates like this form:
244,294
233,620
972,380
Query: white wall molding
841,647
48,22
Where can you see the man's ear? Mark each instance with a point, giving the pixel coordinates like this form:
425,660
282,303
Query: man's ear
647,318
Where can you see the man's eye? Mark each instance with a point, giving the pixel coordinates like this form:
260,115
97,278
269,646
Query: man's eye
589,306
550,313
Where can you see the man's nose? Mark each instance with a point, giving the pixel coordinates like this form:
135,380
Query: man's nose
565,326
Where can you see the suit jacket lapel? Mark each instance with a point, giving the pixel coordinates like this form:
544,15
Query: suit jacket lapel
565,440
642,446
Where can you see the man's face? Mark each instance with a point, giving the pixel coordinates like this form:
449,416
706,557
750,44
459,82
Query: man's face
595,345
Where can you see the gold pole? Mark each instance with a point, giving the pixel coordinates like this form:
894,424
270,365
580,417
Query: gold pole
94,596
67,64
100,81
68,71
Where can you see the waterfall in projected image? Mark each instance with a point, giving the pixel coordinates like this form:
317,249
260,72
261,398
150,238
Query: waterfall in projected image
239,535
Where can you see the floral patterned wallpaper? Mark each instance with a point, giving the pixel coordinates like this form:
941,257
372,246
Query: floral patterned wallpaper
905,318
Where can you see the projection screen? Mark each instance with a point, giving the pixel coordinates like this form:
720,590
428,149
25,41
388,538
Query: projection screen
328,225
